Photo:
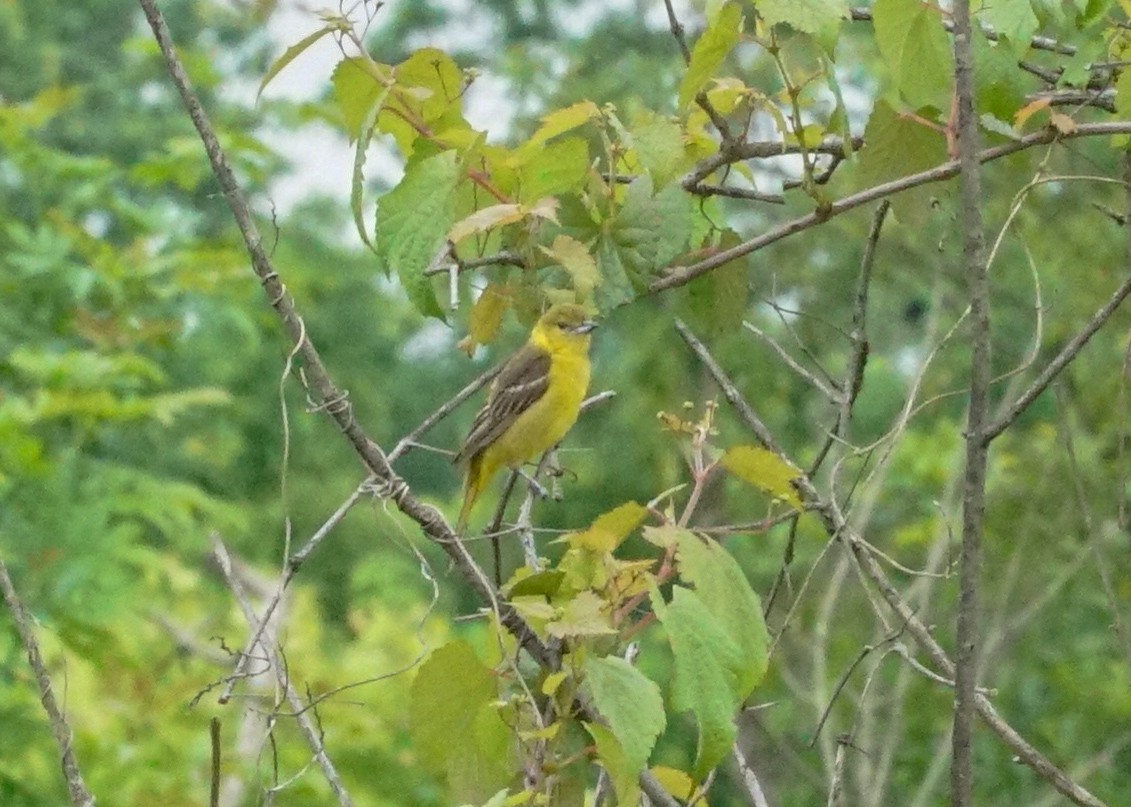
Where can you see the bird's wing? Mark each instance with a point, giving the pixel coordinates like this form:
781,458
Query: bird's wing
523,380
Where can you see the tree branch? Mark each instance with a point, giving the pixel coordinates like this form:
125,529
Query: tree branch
64,737
836,527
334,402
967,642
682,275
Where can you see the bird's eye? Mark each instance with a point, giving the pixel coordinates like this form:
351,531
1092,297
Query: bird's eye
564,326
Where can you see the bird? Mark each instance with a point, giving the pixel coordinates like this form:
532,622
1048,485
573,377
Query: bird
534,400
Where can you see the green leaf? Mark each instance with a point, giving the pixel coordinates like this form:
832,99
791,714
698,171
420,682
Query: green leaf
631,703
554,169
610,529
582,615
707,672
561,121
810,16
545,583
413,219
721,585
916,47
357,92
1014,20
717,300
660,148
612,757
292,53
1000,85
576,259
1123,94
895,146
765,470
615,288
710,51
447,693
651,231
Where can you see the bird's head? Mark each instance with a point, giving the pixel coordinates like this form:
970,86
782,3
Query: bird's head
564,324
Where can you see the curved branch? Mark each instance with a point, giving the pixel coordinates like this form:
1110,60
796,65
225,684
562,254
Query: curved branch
682,275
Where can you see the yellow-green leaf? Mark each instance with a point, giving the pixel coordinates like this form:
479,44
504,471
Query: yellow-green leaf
710,51
578,261
486,219
487,314
293,52
610,529
764,469
583,615
561,121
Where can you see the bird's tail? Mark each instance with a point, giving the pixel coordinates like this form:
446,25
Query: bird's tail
471,490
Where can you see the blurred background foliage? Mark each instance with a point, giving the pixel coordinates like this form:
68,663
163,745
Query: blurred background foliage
140,412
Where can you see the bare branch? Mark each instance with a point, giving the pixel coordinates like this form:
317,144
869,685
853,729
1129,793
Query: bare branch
967,641
64,737
293,564
837,528
303,717
1062,360
834,396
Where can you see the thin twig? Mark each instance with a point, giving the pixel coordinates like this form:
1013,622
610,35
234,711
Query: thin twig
749,779
305,722
293,564
406,443
332,401
837,528
730,391
832,395
60,728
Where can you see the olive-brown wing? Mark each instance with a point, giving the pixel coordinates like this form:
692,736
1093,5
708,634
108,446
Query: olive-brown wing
523,380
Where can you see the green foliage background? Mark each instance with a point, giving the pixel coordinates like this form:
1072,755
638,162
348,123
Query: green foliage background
140,412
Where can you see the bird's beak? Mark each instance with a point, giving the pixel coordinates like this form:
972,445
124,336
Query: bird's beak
584,327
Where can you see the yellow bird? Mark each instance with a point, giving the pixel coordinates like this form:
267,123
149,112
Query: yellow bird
533,402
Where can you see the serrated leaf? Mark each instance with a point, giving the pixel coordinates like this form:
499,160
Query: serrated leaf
710,50
810,16
413,220
651,231
765,470
583,615
1000,85
555,168
292,53
720,583
707,671
427,92
609,530
631,704
561,121
913,42
659,147
615,288
576,259
482,759
357,183
485,219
